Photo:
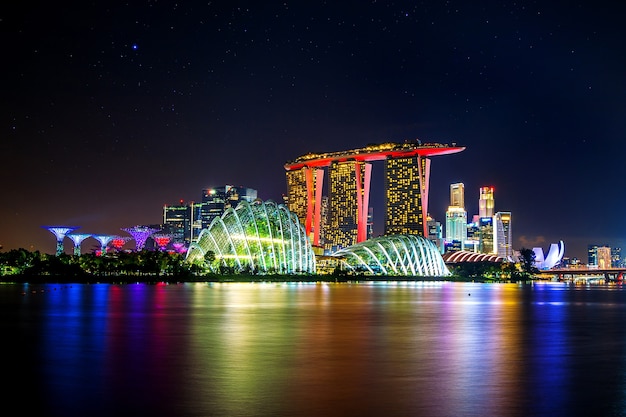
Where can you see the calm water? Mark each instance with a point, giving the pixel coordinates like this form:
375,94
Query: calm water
371,349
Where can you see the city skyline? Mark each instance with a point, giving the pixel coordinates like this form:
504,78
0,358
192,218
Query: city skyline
111,111
140,233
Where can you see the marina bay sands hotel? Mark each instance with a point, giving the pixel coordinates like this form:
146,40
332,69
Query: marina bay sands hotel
339,219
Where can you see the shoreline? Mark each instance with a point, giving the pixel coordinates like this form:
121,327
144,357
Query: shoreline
154,279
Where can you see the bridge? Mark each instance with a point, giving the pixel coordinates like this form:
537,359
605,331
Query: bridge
584,273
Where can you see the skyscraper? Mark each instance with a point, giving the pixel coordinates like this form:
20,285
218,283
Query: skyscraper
599,255
406,195
472,243
456,225
486,202
348,184
435,233
503,238
457,195
486,235
604,257
456,217
216,200
616,257
177,221
592,255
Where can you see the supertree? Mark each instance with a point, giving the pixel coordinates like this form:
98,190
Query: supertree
162,240
60,232
118,242
140,234
104,241
78,238
179,247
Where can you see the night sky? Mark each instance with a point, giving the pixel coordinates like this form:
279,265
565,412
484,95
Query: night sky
111,110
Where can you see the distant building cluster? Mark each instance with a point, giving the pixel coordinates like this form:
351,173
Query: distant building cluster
184,221
217,230
604,256
181,224
489,232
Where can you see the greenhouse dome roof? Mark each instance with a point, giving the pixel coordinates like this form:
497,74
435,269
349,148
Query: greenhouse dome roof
406,255
259,236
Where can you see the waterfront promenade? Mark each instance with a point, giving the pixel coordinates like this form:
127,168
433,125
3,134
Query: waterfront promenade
584,274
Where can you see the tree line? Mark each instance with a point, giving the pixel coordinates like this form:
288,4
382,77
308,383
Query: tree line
20,262
161,264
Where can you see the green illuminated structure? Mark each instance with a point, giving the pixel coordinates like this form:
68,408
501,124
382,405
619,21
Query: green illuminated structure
400,255
264,237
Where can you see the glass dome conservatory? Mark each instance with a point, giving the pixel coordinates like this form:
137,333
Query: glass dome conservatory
261,236
405,255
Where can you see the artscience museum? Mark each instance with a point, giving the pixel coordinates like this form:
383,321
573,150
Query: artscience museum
553,258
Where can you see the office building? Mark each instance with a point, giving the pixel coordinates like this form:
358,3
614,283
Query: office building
217,199
616,257
604,257
457,195
592,255
486,235
435,233
472,243
503,238
456,216
177,222
486,202
456,225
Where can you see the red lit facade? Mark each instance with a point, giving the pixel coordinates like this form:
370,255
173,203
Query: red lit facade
349,189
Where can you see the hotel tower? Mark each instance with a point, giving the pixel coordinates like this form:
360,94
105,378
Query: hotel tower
406,195
407,171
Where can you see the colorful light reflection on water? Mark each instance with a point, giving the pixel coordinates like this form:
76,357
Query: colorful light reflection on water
433,349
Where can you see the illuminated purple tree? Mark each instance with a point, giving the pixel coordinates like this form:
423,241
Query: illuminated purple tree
60,232
140,234
104,241
179,247
78,239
